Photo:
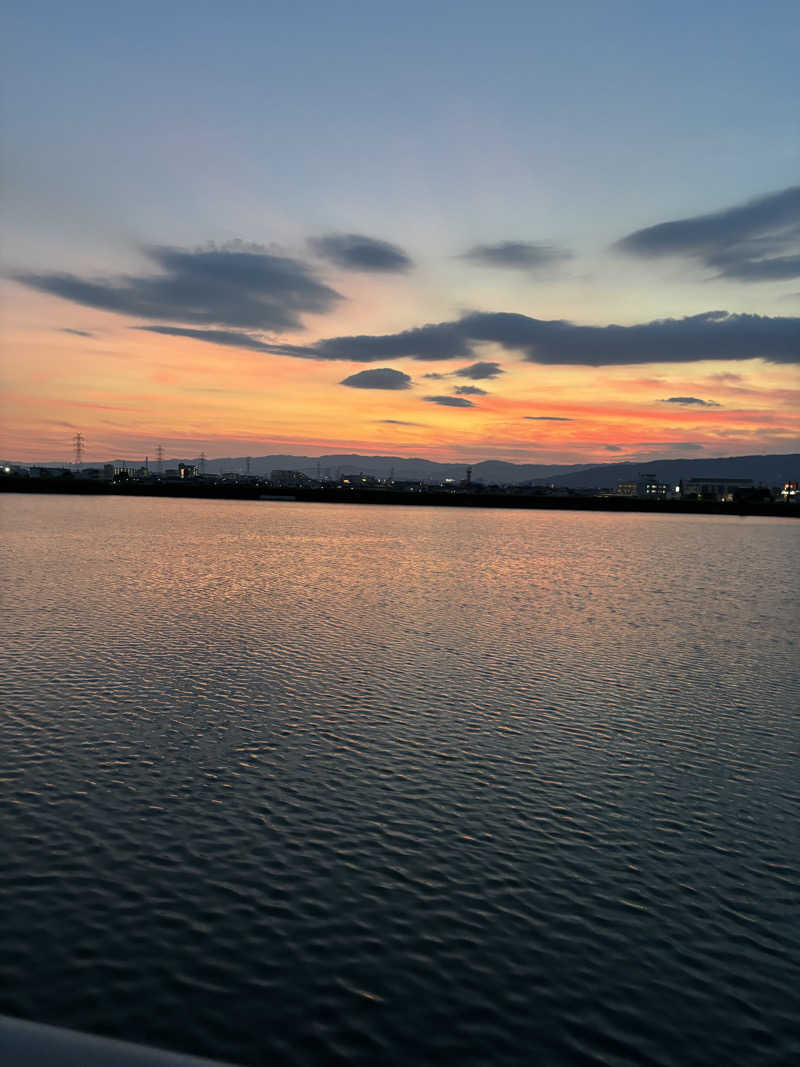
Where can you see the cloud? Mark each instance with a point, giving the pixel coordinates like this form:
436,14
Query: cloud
77,333
613,448
450,401
476,371
663,450
445,340
354,251
228,338
712,335
400,422
692,446
479,371
726,378
237,285
752,242
690,401
380,378
546,418
516,255
469,390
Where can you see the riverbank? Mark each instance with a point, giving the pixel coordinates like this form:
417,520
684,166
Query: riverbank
432,498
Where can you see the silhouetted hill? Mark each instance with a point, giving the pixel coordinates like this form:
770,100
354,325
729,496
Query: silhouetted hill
400,467
765,470
769,470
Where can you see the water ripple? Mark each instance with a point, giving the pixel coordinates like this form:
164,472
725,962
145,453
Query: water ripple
340,785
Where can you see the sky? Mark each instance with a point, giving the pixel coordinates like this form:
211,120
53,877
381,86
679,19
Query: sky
461,231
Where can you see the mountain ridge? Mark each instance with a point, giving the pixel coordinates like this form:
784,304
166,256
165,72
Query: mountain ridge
770,469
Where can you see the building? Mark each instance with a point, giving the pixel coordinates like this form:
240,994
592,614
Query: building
647,488
789,493
720,489
654,488
290,479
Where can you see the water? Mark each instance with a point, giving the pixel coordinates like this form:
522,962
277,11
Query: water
308,784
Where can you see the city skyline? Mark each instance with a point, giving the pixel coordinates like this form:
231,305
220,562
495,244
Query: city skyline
459,234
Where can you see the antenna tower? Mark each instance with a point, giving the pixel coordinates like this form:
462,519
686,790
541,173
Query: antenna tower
202,463
160,459
78,443
247,465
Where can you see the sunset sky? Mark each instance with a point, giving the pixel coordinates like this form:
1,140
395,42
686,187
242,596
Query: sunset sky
462,231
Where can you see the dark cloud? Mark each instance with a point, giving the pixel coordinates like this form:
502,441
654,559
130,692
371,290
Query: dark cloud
445,340
380,378
690,401
613,448
476,371
77,333
546,418
516,255
752,242
229,338
450,401
237,285
400,422
353,251
469,390
479,371
712,335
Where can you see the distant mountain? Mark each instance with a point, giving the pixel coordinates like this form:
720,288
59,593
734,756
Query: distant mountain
399,467
766,470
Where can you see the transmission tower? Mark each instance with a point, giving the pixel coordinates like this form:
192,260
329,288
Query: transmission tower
202,463
78,443
160,459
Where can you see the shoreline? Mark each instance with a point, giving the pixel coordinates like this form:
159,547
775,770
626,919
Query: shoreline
389,497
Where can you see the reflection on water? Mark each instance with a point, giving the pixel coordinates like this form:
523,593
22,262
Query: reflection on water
310,784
